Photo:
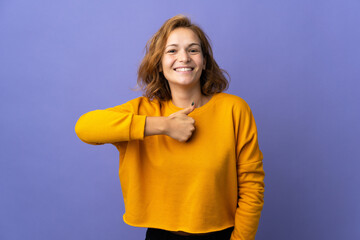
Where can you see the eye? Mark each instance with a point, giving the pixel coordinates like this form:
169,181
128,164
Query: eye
194,50
171,51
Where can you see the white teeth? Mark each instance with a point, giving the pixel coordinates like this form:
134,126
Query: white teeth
182,69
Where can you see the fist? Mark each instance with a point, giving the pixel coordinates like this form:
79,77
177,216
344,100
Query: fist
180,125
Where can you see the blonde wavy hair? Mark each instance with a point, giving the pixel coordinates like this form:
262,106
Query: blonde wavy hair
152,81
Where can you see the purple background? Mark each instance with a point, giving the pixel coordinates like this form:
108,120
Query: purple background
295,62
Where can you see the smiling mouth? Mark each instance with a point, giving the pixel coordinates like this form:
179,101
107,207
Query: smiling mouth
183,69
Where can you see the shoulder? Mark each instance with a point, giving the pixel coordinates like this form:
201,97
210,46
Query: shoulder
143,101
141,105
236,102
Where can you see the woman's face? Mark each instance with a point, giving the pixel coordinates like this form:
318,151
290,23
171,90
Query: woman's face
182,62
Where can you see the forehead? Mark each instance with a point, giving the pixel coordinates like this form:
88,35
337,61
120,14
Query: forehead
182,36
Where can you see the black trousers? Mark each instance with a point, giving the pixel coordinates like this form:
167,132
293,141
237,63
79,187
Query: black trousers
160,234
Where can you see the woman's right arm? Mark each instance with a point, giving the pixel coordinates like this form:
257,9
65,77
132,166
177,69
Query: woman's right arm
110,125
122,124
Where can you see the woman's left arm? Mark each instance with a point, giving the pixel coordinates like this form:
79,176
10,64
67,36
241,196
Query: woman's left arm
250,178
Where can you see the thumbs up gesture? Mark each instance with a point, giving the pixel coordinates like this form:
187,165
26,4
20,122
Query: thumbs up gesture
180,126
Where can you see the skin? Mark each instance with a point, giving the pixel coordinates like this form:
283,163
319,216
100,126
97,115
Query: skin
183,50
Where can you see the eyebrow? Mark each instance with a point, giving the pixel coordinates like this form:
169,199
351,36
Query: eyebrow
190,45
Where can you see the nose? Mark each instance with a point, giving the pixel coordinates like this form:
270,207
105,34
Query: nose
184,56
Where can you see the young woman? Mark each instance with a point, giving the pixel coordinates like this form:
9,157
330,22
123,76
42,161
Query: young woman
190,164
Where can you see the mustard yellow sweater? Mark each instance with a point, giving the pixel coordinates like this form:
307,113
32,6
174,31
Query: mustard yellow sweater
212,182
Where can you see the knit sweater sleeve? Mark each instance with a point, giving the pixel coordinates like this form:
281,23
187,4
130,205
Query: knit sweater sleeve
111,125
250,178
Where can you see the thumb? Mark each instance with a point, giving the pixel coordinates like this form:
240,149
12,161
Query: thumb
188,109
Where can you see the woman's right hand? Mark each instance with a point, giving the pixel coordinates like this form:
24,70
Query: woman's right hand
179,125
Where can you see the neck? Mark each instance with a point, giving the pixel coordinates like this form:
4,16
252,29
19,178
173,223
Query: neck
183,98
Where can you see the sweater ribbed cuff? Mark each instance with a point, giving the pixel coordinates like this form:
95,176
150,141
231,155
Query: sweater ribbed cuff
137,128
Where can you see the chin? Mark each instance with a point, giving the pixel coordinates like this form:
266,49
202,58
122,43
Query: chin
184,82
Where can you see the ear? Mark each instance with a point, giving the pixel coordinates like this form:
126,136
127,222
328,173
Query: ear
204,64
